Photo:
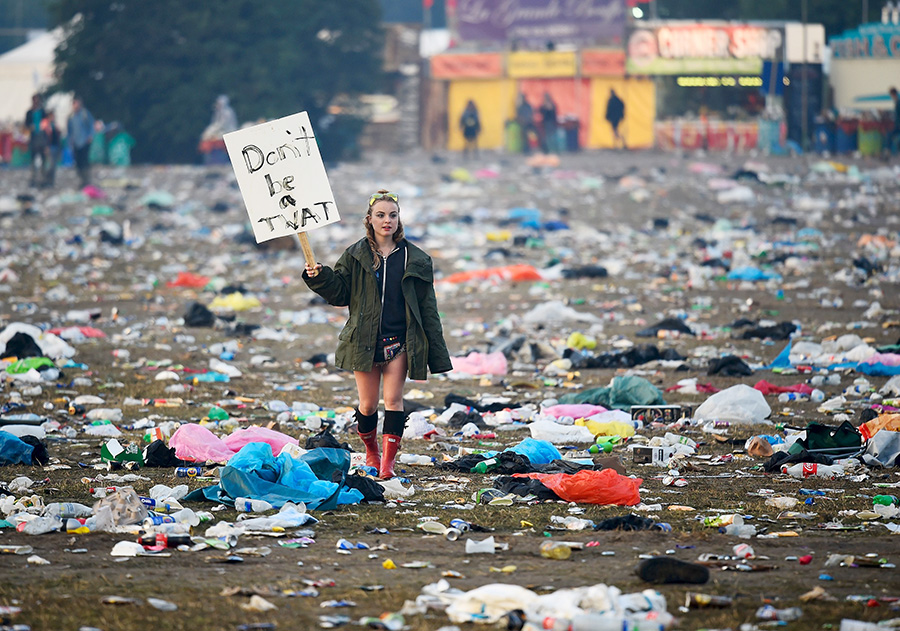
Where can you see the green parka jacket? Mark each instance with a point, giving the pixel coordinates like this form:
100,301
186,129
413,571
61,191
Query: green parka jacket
352,283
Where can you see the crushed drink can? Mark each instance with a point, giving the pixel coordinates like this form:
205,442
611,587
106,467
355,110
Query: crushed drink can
460,524
188,472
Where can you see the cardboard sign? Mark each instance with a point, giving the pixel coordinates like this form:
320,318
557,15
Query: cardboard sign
282,177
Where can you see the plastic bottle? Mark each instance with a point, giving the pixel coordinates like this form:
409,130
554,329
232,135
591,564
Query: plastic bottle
606,622
768,612
675,439
66,510
817,396
600,447
555,550
599,622
40,525
247,505
886,500
744,551
162,506
416,460
165,540
77,526
486,465
811,469
784,397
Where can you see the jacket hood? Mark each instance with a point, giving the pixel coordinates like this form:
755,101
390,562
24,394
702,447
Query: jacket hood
417,264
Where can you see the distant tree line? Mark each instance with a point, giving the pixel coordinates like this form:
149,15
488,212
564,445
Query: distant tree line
157,67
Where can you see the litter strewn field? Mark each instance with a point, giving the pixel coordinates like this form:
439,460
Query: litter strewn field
756,297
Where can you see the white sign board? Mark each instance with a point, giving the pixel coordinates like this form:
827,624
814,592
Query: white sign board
282,177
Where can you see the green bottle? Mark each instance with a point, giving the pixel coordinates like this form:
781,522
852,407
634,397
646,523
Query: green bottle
486,465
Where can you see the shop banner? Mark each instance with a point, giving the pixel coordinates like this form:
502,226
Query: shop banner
536,65
870,41
709,48
583,22
467,66
603,63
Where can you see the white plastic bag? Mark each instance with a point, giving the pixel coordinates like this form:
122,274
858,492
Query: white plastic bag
737,404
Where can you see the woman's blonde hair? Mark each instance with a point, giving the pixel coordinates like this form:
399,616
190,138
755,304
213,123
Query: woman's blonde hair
370,231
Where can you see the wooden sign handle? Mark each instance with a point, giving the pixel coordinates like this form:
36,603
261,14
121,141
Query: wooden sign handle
307,249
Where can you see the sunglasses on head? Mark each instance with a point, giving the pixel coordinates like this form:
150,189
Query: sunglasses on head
379,196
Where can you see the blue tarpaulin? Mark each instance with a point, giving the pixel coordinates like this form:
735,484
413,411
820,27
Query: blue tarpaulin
254,472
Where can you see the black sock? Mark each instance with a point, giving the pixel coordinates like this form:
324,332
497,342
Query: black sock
394,422
366,423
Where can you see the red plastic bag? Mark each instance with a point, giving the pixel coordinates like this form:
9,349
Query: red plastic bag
770,388
591,487
511,273
188,279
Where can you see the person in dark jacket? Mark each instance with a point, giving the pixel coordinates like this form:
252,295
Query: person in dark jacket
470,125
615,112
37,140
394,329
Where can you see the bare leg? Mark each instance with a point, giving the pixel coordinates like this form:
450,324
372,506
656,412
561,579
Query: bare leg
394,378
367,385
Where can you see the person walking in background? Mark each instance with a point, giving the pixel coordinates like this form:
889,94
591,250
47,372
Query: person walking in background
525,119
615,112
52,151
80,133
394,329
470,125
37,141
548,115
893,142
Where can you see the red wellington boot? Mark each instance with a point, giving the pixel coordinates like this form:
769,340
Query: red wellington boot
390,443
370,440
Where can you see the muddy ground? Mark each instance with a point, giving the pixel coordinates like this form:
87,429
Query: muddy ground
59,243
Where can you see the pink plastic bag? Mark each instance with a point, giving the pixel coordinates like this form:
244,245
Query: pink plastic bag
254,434
574,410
195,442
481,364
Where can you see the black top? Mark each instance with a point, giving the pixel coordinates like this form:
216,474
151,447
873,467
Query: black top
393,307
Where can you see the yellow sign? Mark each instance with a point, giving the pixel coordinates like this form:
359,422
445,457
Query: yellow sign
534,65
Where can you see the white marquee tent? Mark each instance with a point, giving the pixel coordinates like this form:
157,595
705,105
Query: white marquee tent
24,71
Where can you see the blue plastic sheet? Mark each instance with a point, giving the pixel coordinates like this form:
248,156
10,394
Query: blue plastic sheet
14,450
254,472
752,274
538,451
784,358
878,369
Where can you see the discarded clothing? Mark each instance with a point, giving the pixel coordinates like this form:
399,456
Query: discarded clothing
669,324
628,523
729,366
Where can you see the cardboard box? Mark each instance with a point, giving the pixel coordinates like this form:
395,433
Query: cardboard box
653,455
660,413
113,451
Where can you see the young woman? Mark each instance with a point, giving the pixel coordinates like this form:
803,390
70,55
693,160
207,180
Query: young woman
394,329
